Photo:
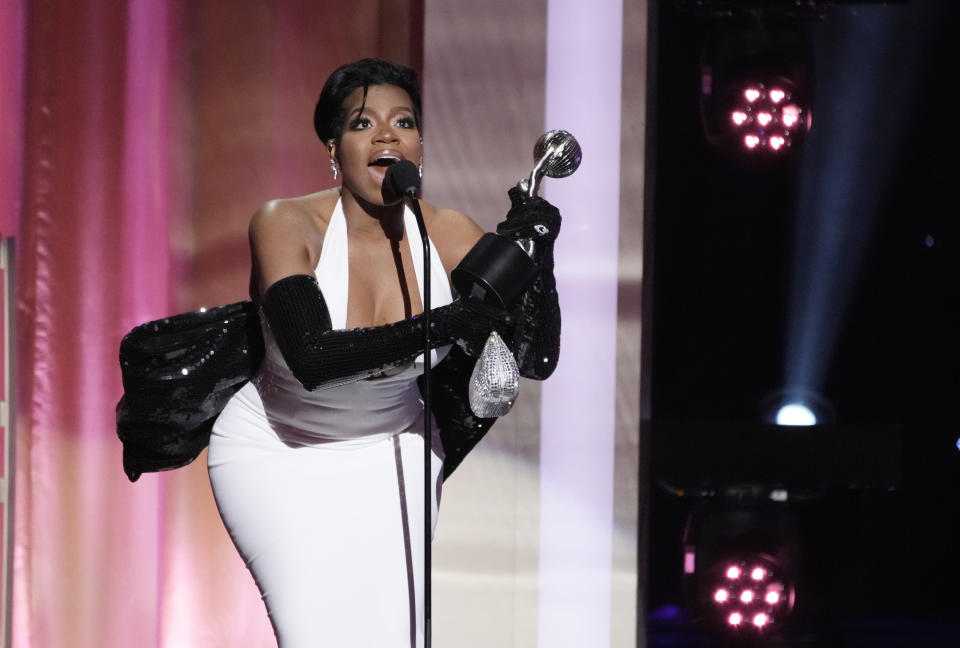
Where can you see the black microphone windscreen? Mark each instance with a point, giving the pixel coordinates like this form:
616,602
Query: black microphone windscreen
402,178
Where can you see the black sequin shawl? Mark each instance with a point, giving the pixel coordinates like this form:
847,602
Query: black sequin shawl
179,373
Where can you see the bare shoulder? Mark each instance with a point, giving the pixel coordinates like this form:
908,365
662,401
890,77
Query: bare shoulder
452,231
286,235
307,214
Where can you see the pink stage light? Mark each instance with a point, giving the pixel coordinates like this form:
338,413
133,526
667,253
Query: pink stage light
748,594
790,115
740,119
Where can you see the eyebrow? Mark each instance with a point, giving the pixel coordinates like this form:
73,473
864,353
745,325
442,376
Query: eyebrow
357,111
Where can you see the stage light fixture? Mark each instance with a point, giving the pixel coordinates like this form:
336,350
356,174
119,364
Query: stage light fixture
746,564
759,598
767,116
756,82
744,488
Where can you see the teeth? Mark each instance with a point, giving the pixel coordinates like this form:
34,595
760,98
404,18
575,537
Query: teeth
385,160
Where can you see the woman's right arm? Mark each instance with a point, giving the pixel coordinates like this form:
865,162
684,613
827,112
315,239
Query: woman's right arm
283,242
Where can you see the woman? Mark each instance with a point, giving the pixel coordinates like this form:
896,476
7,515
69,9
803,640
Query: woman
316,464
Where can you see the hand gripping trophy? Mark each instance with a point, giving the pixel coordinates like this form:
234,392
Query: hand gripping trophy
498,269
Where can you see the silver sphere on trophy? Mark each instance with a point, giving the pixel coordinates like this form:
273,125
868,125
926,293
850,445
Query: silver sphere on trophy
556,154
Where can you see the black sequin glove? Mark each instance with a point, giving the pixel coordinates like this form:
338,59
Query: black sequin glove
321,357
535,335
468,323
532,219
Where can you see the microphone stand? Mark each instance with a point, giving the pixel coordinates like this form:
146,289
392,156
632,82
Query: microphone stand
411,199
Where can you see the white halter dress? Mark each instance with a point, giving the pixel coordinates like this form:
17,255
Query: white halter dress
322,491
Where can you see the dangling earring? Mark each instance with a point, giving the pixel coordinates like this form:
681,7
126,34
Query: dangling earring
420,166
333,161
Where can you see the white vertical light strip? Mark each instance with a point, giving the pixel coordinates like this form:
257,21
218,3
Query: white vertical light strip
583,94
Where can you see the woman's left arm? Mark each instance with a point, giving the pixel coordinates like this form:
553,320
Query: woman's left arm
535,336
536,333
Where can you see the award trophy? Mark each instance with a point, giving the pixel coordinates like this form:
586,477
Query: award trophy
499,269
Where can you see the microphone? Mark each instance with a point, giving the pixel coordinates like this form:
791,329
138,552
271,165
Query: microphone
402,180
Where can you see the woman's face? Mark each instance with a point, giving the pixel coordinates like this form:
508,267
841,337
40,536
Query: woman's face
384,133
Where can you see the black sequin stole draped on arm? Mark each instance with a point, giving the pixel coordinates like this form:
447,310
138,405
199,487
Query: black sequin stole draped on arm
178,374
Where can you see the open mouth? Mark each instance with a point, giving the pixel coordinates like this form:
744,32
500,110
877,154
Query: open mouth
384,160
380,162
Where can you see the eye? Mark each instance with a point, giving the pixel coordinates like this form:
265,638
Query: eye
360,123
406,122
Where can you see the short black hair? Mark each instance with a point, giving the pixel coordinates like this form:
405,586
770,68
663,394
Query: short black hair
329,115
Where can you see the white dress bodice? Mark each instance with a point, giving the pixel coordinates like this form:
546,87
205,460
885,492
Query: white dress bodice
363,410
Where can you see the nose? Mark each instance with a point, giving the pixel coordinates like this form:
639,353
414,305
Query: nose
385,134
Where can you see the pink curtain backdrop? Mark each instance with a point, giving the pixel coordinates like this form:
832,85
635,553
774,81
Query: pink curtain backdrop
12,18
147,131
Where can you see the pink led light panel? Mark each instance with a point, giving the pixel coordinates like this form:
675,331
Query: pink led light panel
751,142
790,115
777,95
752,94
748,594
739,117
764,118
776,143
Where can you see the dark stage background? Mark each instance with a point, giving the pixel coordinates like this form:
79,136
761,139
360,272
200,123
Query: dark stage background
879,567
